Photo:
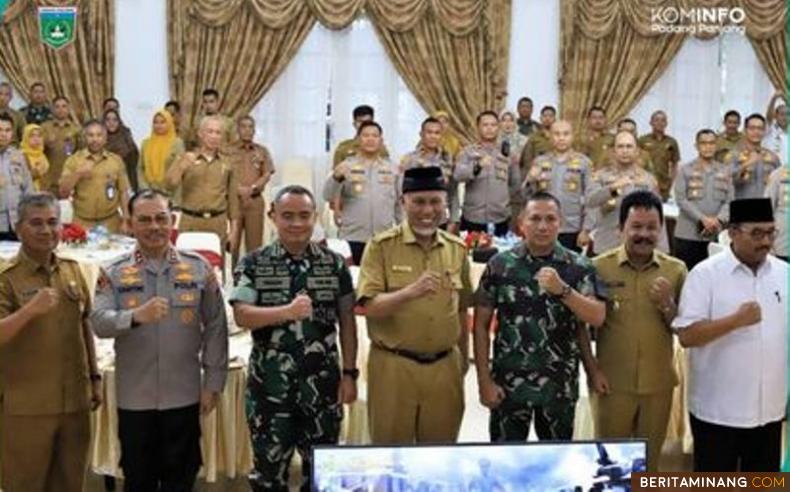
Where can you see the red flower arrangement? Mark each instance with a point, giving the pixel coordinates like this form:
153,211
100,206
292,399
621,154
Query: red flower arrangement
73,234
478,240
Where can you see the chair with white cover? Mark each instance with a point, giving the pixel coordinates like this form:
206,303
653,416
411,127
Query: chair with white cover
207,244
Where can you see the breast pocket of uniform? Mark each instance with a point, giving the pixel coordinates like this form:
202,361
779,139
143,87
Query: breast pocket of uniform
358,182
694,189
400,276
501,171
572,181
184,304
721,187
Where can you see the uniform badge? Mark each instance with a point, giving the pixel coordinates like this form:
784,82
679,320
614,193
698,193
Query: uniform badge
131,302
186,297
571,186
184,277
130,279
358,187
401,268
183,267
187,316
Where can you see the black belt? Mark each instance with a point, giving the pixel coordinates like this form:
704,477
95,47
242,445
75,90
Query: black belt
418,357
206,214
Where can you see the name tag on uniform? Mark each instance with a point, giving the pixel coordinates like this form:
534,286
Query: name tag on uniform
322,283
401,268
273,283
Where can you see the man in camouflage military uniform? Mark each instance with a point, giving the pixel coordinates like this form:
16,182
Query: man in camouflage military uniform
539,142
542,294
430,154
703,191
490,180
609,186
663,151
727,139
565,174
291,294
596,141
750,163
367,185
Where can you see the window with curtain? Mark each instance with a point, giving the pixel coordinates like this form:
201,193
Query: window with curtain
308,110
706,79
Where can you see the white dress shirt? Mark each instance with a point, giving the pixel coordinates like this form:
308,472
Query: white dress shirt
739,379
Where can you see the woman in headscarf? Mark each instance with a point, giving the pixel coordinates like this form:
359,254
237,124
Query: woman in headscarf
158,151
450,143
510,141
120,141
33,148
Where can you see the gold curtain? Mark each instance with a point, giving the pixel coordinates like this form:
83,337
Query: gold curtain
610,56
460,74
453,54
81,71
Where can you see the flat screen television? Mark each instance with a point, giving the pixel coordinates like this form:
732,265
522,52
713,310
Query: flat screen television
578,466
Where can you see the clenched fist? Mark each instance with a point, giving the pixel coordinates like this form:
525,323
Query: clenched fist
44,301
748,313
428,283
661,291
550,281
152,311
301,307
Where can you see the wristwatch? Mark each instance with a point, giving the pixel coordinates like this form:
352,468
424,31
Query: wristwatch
565,292
352,373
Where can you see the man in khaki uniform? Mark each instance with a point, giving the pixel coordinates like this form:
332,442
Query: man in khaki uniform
252,163
778,190
663,151
97,179
210,107
539,142
62,138
48,375
414,284
6,95
208,186
596,142
729,138
635,346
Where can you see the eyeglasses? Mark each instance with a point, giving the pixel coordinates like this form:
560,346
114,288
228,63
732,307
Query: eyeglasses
760,234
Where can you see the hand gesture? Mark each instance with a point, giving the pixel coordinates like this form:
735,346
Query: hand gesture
301,307
598,382
621,183
711,225
152,311
583,239
43,302
341,171
491,394
748,313
347,391
428,283
661,291
208,401
549,280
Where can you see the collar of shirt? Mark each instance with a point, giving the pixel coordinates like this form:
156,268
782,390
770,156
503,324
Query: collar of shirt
423,152
32,265
279,251
622,259
61,123
207,157
172,256
558,254
410,238
732,264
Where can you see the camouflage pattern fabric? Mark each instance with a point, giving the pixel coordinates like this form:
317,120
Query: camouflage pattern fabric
535,351
292,387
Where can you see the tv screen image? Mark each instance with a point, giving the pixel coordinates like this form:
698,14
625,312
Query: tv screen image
524,467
